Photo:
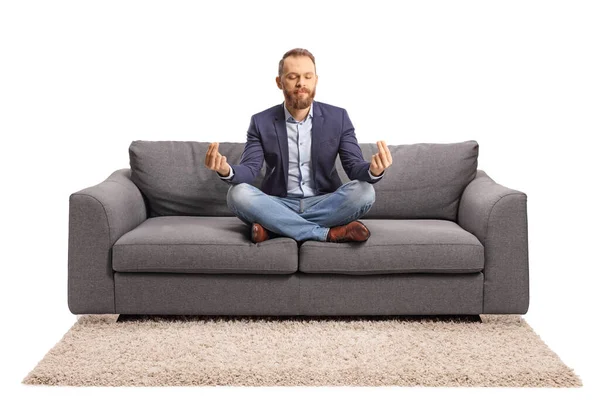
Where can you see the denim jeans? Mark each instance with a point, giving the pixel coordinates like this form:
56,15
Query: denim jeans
302,219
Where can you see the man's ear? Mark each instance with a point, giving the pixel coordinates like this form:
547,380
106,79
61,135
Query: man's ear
277,81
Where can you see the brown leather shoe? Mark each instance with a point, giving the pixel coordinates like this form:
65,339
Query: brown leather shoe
353,232
259,233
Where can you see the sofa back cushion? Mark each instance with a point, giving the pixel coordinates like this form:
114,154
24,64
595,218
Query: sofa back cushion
425,180
172,177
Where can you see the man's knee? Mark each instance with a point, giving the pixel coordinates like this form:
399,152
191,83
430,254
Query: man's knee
363,193
237,195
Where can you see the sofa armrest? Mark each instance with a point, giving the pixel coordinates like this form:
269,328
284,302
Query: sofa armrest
497,216
98,216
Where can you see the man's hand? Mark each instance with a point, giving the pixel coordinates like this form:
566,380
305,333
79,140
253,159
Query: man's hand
215,161
381,160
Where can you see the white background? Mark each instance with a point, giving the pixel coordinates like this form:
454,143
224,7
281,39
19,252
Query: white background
79,80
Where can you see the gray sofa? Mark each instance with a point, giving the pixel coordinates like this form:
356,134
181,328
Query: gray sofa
159,238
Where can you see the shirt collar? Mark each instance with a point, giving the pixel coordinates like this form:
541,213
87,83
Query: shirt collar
288,115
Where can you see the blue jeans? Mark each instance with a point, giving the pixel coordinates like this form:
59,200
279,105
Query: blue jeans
307,218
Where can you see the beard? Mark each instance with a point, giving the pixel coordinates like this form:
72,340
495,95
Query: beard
299,101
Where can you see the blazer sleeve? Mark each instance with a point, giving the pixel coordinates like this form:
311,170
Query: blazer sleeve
351,155
252,158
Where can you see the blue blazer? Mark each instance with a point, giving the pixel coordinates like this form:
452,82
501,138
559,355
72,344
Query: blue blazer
332,133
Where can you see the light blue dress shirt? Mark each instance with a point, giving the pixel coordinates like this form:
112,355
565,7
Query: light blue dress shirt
299,134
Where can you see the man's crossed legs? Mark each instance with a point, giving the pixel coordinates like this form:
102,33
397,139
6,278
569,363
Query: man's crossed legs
302,219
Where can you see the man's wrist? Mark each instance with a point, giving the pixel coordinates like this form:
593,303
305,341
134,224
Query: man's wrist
372,173
228,175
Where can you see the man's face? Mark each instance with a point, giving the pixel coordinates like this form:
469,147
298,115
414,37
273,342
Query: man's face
298,82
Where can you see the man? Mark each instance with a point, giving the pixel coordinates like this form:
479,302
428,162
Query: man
301,196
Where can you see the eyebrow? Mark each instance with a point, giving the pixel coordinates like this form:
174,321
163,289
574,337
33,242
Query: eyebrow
306,73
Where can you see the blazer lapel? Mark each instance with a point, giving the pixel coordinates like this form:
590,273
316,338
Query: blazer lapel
317,127
281,129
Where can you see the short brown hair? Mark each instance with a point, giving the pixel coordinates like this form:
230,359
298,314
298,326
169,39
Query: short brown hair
296,53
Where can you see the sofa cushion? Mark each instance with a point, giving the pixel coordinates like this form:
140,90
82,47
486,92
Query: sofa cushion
174,181
425,180
188,244
398,246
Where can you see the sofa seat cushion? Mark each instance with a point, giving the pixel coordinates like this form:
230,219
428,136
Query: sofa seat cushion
190,244
398,246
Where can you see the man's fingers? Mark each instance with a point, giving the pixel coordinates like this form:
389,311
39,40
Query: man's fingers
216,161
387,153
207,157
381,151
382,155
384,152
375,161
211,156
217,156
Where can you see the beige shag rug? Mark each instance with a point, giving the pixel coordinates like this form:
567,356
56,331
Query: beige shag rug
503,350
